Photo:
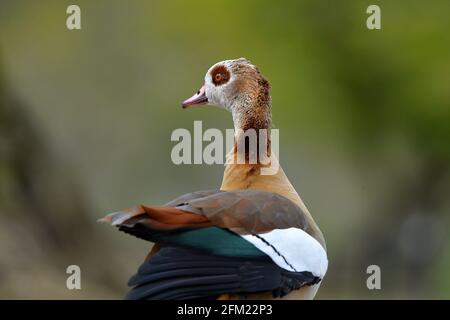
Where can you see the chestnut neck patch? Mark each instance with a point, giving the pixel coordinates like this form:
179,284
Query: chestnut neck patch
220,75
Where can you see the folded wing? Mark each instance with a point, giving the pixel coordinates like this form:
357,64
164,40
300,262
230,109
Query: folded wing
216,242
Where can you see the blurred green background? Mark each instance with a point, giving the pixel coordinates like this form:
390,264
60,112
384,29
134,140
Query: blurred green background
86,118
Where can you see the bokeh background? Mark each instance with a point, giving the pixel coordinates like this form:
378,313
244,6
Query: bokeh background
86,118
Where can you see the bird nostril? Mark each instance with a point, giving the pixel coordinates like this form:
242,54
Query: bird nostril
198,92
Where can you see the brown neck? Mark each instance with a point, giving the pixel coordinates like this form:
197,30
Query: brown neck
254,111
252,117
252,134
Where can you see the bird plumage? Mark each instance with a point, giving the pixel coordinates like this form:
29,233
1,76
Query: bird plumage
253,238
232,234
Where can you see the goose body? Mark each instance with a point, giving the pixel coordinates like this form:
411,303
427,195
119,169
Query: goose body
239,177
253,238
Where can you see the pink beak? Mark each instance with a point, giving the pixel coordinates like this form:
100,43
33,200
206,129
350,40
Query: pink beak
196,99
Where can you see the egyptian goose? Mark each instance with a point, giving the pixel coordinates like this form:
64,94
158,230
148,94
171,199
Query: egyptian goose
252,239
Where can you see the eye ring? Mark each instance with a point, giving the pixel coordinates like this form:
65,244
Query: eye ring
218,77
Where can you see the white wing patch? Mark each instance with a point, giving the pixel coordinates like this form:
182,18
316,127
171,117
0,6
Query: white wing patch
292,249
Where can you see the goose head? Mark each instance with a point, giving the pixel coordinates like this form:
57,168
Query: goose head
239,87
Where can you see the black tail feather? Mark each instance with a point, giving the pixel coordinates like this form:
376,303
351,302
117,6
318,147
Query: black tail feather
180,273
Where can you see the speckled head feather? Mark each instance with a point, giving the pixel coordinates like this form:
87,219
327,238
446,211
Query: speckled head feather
238,86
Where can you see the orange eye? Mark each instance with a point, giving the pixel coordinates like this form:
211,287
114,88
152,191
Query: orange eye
218,77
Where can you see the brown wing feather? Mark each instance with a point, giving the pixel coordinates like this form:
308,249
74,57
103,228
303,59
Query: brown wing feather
248,211
243,211
158,218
